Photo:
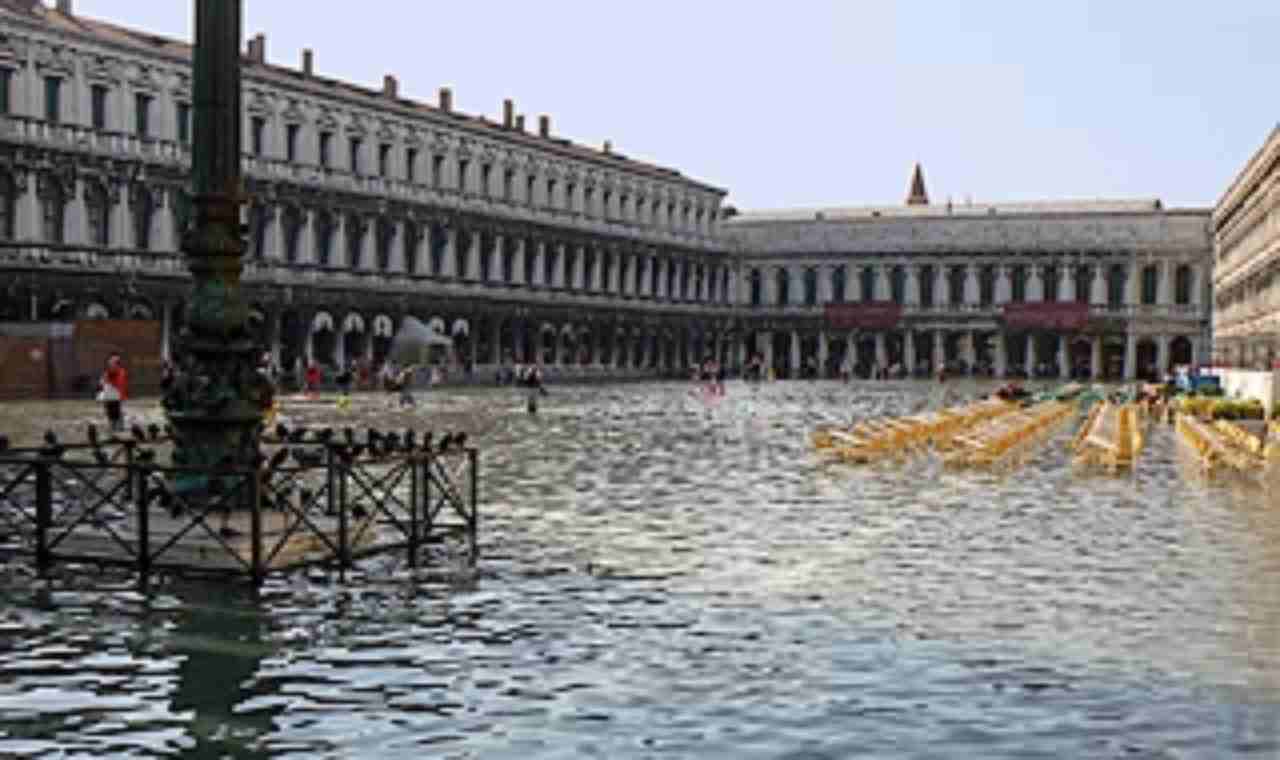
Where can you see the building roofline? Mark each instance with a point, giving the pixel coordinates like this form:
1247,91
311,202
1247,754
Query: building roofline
1249,166
975,211
49,19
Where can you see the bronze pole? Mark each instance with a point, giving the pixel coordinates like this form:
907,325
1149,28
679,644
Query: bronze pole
217,403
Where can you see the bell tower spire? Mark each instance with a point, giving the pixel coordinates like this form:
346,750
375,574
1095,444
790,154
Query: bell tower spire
916,194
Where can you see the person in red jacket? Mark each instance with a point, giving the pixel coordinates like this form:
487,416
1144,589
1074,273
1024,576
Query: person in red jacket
115,391
313,379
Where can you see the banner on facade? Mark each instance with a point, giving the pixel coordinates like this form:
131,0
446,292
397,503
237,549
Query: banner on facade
868,315
1049,315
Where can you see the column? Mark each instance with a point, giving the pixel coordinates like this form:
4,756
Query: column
823,353
851,351
166,331
539,264
795,355
1035,283
942,287
1030,355
882,352
495,344
912,296
1099,295
518,262
369,243
880,282
939,349
473,262
970,351
275,336
1001,359
1064,358
496,258
122,232
766,339
971,295
1164,289
1196,287
74,225
1096,358
29,223
1068,289
1162,356
1130,356
909,352
579,267
275,235
1004,287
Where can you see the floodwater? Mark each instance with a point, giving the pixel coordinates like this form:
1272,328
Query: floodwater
665,577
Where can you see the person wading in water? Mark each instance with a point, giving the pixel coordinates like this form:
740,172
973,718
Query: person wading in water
114,392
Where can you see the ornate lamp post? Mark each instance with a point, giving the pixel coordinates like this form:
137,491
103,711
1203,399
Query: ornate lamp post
217,403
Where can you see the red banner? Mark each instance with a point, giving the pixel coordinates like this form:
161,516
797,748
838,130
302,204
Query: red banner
869,315
1048,315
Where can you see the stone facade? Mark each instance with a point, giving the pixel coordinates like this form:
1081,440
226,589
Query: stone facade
366,208
1246,278
950,277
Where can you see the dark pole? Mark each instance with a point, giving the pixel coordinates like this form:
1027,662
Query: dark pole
216,404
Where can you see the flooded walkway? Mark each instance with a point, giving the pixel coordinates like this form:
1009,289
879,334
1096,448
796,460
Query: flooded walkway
667,576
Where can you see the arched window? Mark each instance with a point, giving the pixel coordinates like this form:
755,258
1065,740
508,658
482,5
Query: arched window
1050,290
867,284
143,213
570,260
8,206
409,244
784,286
461,254
838,284
98,206
1115,286
927,274
811,287
386,239
438,242
355,241
529,268
955,285
1084,283
324,238
549,252
53,207
898,284
756,286
1182,285
1150,285
1018,283
508,260
292,233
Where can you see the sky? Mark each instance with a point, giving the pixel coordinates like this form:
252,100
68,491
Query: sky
828,102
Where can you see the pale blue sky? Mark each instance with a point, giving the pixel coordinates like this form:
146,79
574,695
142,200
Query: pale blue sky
823,102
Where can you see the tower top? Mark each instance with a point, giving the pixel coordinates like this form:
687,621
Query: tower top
916,194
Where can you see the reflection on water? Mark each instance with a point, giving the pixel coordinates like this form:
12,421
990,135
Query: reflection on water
666,576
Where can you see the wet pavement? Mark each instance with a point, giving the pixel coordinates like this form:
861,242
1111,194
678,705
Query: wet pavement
666,575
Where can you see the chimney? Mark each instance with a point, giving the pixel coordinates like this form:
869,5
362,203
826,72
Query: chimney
608,147
64,7
390,87
446,99
520,122
308,61
544,126
258,48
508,113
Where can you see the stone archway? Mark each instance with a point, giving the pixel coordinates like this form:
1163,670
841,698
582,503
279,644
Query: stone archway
1080,356
1180,351
550,343
353,337
1147,355
384,333
324,339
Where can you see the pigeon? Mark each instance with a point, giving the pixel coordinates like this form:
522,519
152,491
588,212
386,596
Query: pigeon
153,430
460,440
139,434
50,438
426,442
282,432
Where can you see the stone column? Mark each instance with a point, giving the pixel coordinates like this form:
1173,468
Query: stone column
1130,356
166,331
882,352
1098,296
939,349
275,332
824,353
274,239
495,260
971,295
1035,283
912,296
1096,358
1068,289
942,287
1064,358
1001,359
540,264
1162,355
880,282
495,345
766,339
518,262
795,354
909,351
851,350
306,238
473,261
1164,289
1030,355
970,351
75,224
1004,287
122,232
29,224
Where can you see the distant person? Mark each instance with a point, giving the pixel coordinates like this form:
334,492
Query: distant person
312,378
114,392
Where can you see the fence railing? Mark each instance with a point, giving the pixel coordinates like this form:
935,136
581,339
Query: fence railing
308,504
